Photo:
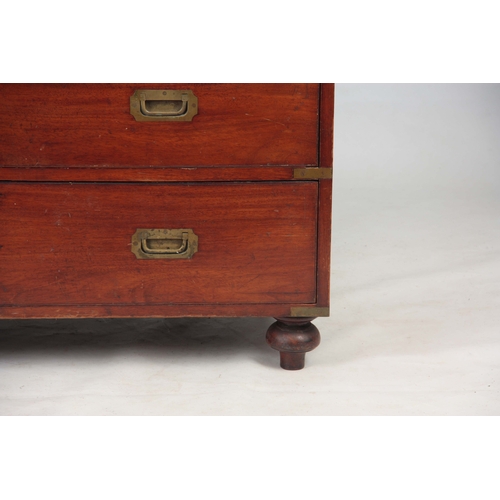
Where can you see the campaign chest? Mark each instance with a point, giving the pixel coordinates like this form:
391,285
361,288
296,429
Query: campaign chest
168,200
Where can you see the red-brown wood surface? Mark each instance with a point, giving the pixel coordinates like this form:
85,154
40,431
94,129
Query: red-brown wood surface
325,193
69,244
70,125
135,174
293,337
147,311
326,125
324,241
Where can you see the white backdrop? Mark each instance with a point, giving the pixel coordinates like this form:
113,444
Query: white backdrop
416,262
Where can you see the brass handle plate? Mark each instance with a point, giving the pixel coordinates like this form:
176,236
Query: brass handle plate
163,105
164,243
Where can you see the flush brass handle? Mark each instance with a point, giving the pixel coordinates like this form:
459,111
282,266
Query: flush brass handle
165,246
164,243
166,107
163,105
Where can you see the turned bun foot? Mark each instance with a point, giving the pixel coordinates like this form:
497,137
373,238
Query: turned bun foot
293,337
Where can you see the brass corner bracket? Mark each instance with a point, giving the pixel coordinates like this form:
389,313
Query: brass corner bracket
305,312
312,173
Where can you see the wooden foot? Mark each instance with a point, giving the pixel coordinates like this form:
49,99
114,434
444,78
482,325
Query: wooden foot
293,337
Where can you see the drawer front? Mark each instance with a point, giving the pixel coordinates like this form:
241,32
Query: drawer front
91,125
70,244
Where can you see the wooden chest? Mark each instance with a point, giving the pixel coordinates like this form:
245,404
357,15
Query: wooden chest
168,200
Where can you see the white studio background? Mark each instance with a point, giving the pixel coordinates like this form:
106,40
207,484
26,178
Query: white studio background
416,261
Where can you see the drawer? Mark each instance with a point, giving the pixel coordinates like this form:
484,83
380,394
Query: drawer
71,244
80,125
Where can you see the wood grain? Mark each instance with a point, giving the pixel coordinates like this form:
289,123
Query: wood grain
293,337
75,125
324,241
325,193
50,134
67,244
146,311
135,174
326,112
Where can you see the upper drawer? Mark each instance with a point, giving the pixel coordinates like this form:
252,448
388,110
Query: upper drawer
91,125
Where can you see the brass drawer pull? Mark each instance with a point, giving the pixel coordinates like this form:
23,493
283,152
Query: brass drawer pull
165,111
163,105
164,243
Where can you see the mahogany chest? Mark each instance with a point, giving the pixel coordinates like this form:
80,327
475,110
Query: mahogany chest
168,200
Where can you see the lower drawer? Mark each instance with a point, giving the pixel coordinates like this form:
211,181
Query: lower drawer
70,244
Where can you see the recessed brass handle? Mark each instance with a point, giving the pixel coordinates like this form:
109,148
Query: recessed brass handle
163,105
164,243
169,108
